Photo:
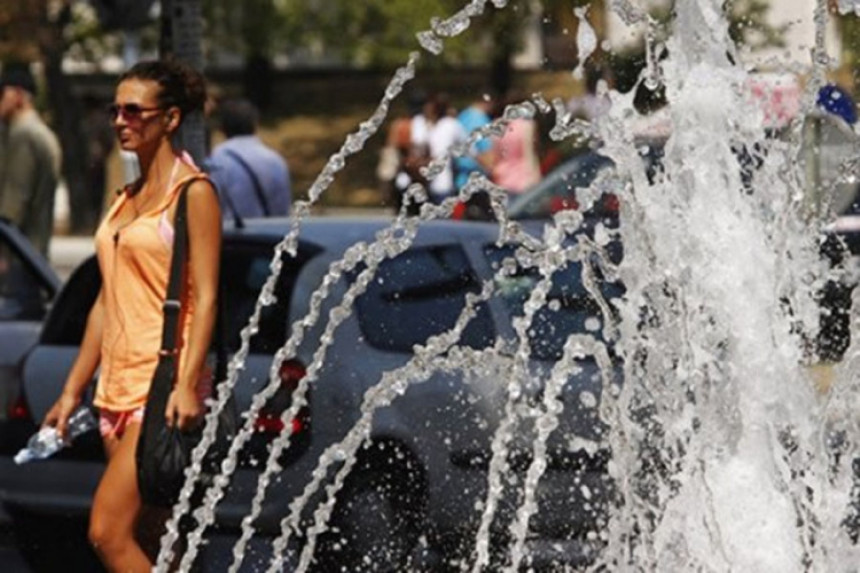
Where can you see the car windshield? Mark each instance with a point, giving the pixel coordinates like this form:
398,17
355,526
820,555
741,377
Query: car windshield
570,309
564,188
420,294
557,191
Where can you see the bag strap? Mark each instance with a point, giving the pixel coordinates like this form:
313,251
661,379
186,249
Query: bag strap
172,301
258,187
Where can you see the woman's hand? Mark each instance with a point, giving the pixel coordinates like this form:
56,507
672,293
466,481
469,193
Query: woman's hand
183,408
58,415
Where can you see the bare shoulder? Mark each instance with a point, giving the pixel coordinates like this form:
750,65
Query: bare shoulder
202,191
203,200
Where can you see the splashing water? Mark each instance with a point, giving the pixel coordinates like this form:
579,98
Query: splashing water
724,456
720,442
846,6
586,41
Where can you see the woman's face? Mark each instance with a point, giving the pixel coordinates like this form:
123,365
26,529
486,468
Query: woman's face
140,123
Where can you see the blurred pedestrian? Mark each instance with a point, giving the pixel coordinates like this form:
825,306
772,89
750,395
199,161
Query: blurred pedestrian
479,158
124,327
516,166
253,180
30,164
392,169
835,99
442,132
595,102
418,153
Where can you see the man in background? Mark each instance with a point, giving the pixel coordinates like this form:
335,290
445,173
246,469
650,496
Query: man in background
30,162
253,180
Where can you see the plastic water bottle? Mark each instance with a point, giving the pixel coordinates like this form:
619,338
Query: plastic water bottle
47,441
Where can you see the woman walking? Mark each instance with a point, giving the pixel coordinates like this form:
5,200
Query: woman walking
123,333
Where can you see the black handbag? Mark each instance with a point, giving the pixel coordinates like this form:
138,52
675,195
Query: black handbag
164,452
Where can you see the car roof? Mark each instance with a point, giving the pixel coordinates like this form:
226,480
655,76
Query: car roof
337,233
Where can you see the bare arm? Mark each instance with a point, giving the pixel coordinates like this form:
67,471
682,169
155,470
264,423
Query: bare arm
89,357
204,254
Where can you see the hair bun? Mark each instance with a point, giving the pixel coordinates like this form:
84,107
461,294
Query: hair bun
181,85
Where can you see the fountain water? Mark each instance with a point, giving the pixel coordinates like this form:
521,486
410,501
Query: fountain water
724,458
727,467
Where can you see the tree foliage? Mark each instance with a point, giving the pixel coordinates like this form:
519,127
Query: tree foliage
370,33
748,25
849,32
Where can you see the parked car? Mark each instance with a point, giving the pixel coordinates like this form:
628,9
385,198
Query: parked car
424,470
28,285
558,190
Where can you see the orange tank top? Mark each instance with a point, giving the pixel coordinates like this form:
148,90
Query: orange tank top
135,266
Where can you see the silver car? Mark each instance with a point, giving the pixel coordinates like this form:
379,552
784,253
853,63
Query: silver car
422,473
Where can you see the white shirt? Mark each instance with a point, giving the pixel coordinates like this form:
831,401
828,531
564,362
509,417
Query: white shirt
440,137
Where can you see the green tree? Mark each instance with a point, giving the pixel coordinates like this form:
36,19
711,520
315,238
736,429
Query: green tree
255,29
372,33
849,32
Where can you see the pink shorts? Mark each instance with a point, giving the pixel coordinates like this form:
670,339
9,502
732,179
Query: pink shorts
112,424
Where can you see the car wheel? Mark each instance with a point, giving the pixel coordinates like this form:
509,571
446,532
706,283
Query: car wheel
374,527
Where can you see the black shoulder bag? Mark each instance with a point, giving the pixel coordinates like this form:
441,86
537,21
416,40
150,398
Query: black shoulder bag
164,452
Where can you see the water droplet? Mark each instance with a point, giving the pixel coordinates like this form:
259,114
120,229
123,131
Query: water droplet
430,42
454,26
588,399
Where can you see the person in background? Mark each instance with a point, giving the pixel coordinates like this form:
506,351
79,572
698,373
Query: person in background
418,153
516,166
392,169
443,131
122,339
30,164
595,102
479,158
253,180
837,100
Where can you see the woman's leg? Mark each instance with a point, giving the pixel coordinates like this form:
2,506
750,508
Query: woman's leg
116,508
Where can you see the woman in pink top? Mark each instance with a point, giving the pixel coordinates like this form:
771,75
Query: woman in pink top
515,163
134,244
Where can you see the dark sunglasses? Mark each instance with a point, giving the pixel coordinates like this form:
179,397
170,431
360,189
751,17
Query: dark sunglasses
129,111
